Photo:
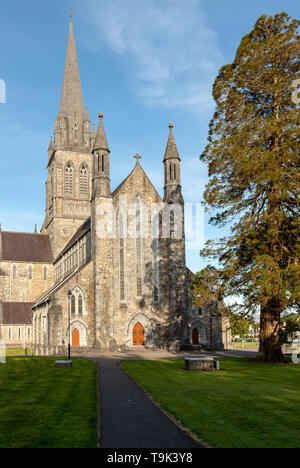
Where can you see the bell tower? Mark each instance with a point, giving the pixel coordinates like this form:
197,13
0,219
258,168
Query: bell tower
69,183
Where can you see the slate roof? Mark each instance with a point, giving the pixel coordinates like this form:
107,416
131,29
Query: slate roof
26,247
17,313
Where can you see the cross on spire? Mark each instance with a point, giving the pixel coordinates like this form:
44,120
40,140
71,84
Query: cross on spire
71,13
137,157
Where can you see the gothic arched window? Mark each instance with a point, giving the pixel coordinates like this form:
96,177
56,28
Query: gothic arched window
122,256
155,255
73,304
69,177
77,302
138,252
83,182
80,304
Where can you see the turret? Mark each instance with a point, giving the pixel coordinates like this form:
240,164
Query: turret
101,175
172,189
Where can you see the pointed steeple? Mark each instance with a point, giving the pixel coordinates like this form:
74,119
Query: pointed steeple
71,101
172,171
101,173
72,127
50,148
171,150
101,141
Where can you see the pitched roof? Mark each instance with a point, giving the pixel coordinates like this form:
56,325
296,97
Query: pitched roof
17,313
136,168
84,228
26,247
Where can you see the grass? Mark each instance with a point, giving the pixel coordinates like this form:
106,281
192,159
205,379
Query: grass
245,345
247,404
10,352
44,407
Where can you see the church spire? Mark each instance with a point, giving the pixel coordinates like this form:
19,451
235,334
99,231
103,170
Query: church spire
172,171
101,141
171,150
71,101
72,127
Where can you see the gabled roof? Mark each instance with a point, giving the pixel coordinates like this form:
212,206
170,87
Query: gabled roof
26,247
136,168
17,313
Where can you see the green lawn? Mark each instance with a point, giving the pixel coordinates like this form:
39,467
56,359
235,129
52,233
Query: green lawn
46,407
10,352
246,404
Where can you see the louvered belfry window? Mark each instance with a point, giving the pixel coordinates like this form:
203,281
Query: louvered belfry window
69,180
83,182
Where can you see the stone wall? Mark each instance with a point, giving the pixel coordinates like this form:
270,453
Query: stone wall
20,288
66,213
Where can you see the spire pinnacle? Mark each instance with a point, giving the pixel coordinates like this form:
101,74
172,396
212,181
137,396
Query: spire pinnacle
171,150
101,141
71,97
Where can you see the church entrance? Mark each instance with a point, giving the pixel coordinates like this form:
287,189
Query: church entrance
75,338
195,336
138,335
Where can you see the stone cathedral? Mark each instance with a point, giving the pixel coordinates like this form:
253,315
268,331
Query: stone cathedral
96,277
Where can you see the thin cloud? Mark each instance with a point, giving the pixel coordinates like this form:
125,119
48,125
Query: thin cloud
171,54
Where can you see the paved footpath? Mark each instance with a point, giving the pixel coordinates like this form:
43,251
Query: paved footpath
128,418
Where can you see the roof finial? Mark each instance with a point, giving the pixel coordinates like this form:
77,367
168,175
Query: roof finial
137,157
71,13
171,125
100,115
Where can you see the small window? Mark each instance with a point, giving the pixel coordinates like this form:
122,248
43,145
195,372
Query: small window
9,333
200,311
73,305
45,273
14,272
30,272
19,333
80,305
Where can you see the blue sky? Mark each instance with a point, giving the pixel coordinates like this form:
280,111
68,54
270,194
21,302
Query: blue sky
143,63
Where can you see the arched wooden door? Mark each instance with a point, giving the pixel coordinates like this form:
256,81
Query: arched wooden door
138,335
195,337
75,338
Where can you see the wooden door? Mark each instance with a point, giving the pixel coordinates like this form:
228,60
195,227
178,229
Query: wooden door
195,337
138,335
75,338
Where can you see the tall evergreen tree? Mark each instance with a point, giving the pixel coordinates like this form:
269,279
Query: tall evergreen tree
254,168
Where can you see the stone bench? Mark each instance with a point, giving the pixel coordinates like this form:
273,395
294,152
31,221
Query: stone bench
201,364
63,364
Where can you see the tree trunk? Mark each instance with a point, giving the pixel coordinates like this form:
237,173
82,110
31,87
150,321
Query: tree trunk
270,347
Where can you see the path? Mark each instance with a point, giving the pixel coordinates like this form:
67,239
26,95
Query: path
128,418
